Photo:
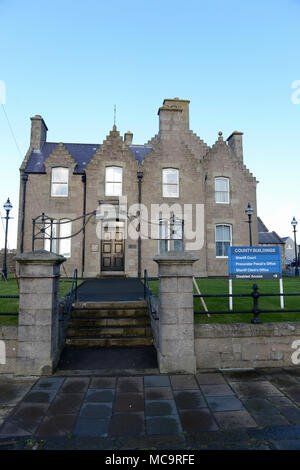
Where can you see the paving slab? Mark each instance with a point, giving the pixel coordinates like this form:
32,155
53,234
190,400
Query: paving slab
129,402
156,381
66,403
91,428
288,444
212,378
194,421
158,393
291,413
183,382
75,385
130,384
49,383
276,433
216,390
260,406
255,389
100,395
293,393
40,396
163,425
127,424
189,400
264,420
56,425
103,382
230,403
242,375
234,419
160,407
96,410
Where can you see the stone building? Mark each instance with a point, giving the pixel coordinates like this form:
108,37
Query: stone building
67,181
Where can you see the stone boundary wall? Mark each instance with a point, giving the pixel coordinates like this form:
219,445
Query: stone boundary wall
9,335
245,345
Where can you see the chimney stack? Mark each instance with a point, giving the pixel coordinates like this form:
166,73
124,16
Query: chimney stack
235,142
38,132
173,116
128,137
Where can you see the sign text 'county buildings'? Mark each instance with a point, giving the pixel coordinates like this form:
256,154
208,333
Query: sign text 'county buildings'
254,262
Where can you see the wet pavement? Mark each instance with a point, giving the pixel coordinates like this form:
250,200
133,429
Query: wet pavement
254,409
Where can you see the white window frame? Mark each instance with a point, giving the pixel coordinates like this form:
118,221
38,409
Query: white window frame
168,235
218,241
165,183
223,178
54,183
68,240
107,193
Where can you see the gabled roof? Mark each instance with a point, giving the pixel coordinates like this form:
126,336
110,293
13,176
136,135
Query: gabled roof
82,154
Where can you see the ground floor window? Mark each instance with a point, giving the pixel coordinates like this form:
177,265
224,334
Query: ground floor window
223,239
59,244
170,235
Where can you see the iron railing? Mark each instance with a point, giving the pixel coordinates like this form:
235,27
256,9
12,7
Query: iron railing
73,295
255,294
148,295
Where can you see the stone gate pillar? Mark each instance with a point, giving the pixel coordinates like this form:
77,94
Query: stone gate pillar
176,345
38,331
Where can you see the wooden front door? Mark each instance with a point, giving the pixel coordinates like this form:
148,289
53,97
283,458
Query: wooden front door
112,252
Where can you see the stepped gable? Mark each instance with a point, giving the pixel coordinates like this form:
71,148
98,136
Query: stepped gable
220,144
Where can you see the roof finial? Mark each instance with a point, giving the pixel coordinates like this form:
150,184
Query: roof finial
115,112
220,135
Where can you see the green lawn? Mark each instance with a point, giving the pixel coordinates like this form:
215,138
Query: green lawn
12,305
220,286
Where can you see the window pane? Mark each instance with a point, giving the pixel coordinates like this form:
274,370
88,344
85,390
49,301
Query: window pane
48,235
113,174
178,245
170,176
59,189
60,175
170,190
222,196
223,239
221,184
65,230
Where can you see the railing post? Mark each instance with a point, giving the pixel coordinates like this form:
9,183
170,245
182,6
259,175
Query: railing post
145,275
255,295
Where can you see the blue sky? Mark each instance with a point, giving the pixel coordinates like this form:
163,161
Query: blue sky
71,61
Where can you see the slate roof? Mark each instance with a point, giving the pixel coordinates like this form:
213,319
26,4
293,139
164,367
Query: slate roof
82,154
265,237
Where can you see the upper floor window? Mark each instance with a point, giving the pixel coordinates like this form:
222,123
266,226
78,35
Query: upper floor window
222,190
170,182
223,240
59,182
113,181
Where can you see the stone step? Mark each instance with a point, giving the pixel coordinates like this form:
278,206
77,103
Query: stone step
136,304
131,331
109,313
86,322
109,342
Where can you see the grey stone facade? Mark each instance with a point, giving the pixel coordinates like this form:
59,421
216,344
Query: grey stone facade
175,146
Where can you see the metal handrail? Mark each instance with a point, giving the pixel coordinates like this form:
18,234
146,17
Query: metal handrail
73,295
147,294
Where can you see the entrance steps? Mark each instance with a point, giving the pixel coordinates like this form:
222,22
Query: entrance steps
109,324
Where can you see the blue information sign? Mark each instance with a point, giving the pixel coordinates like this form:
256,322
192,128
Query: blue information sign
254,262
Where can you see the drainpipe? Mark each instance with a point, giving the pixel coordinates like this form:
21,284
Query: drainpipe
83,179
24,181
140,175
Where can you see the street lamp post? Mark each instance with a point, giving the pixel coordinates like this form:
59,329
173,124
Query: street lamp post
7,207
294,224
249,211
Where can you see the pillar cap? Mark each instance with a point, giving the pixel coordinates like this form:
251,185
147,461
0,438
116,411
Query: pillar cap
176,257
40,257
